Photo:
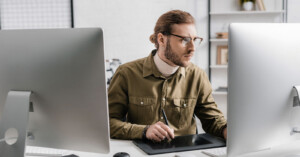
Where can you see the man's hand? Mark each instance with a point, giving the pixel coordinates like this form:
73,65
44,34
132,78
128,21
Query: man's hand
159,131
225,133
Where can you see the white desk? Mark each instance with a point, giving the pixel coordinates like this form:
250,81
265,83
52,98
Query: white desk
285,150
127,146
134,151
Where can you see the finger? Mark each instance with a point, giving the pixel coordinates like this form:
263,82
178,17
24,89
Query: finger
159,134
163,132
173,135
160,123
155,138
225,133
169,131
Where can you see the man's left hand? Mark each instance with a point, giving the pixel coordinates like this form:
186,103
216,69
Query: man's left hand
225,133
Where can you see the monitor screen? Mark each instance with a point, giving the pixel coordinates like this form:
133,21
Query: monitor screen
264,65
63,70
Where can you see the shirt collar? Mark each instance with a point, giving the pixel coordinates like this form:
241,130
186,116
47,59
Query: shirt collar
150,68
181,71
166,69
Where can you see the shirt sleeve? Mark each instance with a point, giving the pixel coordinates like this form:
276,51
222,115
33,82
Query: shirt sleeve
206,110
118,108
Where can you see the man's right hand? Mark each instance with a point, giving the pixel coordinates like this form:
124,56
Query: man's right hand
159,131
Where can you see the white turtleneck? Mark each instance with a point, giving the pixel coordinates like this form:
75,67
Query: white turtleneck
166,69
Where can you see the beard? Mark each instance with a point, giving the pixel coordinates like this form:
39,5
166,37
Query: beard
173,57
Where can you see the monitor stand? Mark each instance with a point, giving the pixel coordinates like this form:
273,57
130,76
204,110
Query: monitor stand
296,103
13,124
296,109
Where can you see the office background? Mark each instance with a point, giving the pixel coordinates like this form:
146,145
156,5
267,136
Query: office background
135,20
127,24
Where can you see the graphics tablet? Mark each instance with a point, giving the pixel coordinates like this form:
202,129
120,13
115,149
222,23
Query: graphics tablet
180,143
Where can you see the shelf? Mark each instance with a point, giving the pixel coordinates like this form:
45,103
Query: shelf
247,12
221,14
218,66
218,40
219,93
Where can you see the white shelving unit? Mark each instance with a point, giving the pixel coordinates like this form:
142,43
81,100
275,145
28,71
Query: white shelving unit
220,93
218,66
221,14
246,12
218,40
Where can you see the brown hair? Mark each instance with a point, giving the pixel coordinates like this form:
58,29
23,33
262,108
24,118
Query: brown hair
167,20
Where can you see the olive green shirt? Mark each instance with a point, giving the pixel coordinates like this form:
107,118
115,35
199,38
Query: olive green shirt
138,92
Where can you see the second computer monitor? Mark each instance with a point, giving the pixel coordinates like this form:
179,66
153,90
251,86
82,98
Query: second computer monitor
64,70
264,65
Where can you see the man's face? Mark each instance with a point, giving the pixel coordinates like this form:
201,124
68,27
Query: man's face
176,52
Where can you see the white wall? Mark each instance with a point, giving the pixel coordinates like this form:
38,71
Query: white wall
293,13
127,24
33,14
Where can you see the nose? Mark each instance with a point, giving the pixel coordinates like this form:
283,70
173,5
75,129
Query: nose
191,46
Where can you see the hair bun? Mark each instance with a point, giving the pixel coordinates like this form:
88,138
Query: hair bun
152,38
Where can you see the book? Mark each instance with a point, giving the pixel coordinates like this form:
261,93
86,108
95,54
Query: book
222,55
222,89
260,5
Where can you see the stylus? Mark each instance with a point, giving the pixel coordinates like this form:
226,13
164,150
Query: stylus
165,117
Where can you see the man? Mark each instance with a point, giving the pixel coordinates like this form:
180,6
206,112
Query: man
164,81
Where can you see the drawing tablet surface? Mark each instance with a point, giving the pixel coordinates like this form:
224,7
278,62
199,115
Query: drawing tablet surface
180,143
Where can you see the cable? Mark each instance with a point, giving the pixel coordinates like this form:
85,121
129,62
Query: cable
10,138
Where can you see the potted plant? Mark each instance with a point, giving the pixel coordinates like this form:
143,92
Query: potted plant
247,5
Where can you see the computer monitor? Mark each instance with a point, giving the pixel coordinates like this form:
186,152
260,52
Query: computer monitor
264,65
62,72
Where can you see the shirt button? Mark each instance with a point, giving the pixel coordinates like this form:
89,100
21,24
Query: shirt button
164,99
184,105
161,117
142,103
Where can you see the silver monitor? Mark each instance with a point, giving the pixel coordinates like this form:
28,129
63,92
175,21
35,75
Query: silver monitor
58,75
264,65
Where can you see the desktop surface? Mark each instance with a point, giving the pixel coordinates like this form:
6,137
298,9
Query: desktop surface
128,146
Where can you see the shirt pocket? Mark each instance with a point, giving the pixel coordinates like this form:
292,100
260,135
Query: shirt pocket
181,112
141,110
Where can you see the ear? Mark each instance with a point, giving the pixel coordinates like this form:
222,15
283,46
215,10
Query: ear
162,40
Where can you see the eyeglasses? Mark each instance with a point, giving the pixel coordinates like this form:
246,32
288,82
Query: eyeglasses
185,40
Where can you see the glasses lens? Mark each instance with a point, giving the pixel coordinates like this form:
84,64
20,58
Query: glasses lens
197,41
185,41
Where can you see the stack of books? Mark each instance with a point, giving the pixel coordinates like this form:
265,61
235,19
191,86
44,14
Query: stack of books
222,89
222,35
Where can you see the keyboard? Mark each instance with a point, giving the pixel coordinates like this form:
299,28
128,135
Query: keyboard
216,152
45,152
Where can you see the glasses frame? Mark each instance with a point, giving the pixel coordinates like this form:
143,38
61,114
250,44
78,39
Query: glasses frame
186,39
